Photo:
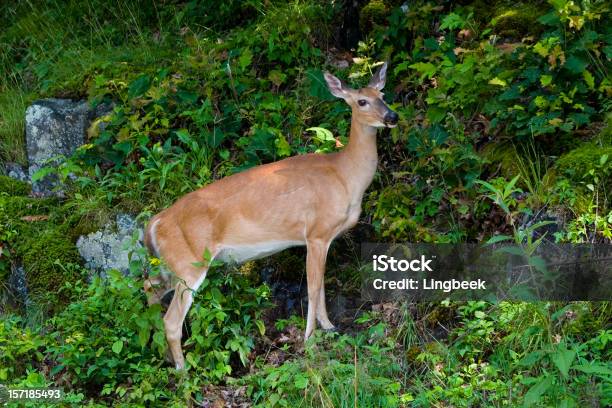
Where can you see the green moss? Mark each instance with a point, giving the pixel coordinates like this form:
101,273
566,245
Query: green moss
517,20
372,14
17,207
43,245
578,162
46,257
14,187
502,158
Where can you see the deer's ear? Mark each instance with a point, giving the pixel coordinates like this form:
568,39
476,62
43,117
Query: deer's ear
336,87
379,78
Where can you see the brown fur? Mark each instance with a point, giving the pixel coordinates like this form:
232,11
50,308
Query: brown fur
303,200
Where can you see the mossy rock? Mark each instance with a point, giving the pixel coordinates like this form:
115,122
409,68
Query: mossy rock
517,20
372,14
43,245
501,156
575,164
47,257
14,187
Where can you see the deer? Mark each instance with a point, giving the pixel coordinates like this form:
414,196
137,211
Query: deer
305,200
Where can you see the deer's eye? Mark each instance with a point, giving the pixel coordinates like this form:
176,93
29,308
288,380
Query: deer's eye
362,102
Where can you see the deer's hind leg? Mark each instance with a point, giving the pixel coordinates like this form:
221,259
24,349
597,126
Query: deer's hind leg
188,279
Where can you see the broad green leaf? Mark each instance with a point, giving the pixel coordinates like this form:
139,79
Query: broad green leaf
301,382
322,134
575,64
538,262
139,86
117,346
563,359
531,358
596,369
537,390
545,80
246,56
143,336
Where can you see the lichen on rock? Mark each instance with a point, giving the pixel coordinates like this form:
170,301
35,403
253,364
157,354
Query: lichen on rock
108,248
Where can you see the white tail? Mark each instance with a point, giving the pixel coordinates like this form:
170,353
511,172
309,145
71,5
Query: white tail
303,200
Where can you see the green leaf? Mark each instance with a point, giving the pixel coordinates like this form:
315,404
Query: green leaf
117,346
531,358
426,69
563,359
245,59
139,86
545,80
452,21
538,262
260,326
143,336
317,85
575,64
301,382
42,173
159,339
498,81
283,149
498,238
588,78
512,250
322,134
183,135
537,390
596,369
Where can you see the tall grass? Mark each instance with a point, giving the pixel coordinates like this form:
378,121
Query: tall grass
13,103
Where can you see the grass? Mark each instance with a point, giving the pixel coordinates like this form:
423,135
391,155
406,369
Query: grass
13,103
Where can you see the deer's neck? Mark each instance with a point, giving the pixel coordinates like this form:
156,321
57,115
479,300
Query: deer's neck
360,157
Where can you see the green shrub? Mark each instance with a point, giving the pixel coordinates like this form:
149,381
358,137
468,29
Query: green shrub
225,318
21,349
329,372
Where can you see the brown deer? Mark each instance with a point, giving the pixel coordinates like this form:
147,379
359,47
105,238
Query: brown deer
302,200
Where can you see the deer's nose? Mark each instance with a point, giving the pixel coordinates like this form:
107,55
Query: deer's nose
391,118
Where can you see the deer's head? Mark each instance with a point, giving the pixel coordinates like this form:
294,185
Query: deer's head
367,103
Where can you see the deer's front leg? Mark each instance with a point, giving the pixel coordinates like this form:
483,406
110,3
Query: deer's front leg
322,317
315,269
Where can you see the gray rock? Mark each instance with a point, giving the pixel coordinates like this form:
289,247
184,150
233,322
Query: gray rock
18,285
16,171
109,247
56,127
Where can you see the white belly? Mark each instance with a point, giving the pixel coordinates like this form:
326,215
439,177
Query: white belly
242,253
